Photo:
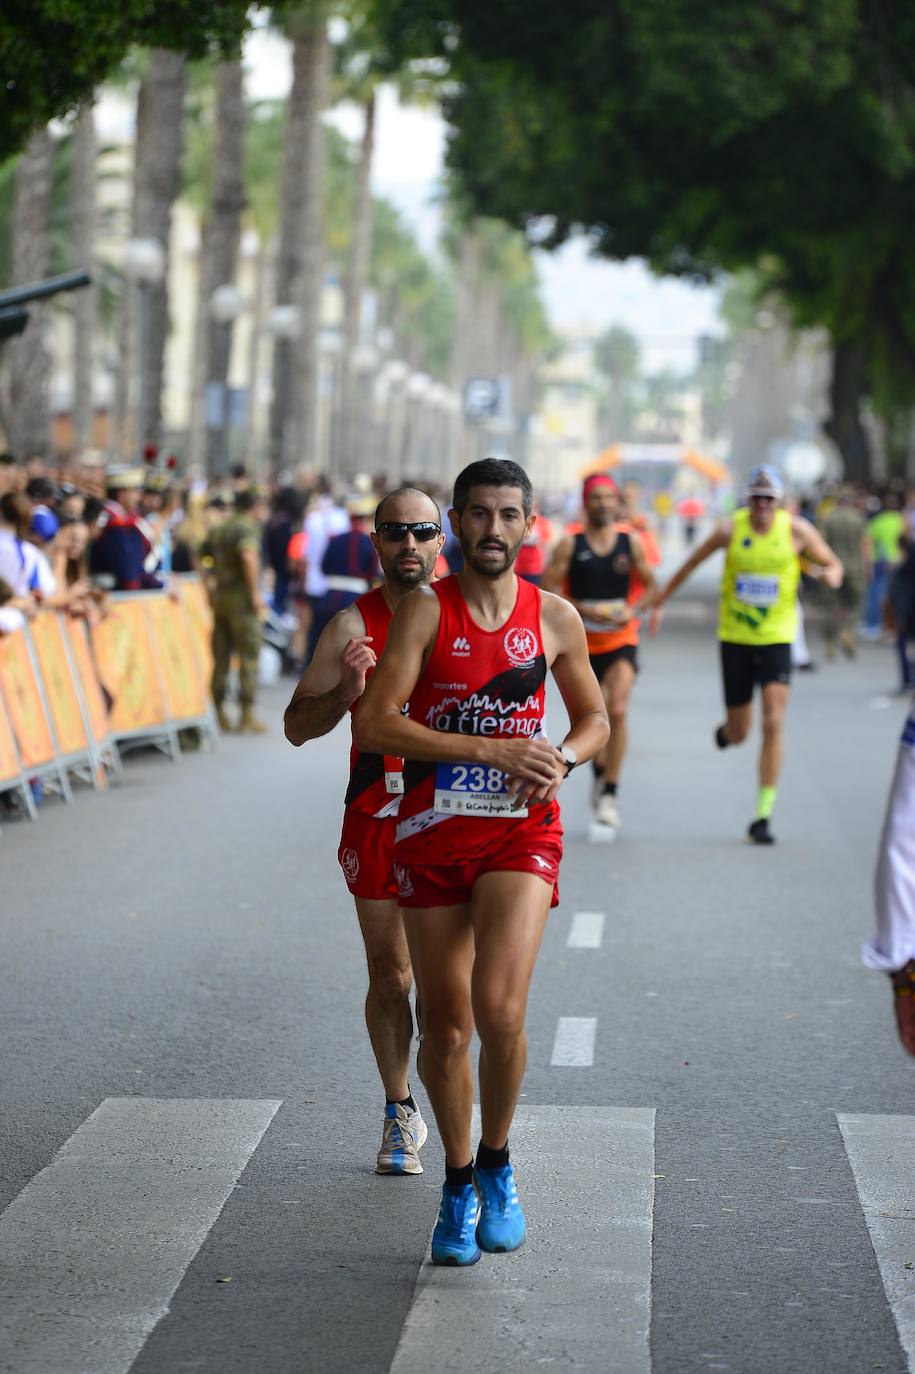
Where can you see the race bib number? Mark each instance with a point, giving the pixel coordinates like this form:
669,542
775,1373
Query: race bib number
757,591
393,775
471,789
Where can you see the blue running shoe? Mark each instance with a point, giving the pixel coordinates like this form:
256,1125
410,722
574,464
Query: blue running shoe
501,1226
454,1240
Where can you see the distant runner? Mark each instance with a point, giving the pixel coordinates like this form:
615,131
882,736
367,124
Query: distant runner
758,619
479,838
407,539
606,575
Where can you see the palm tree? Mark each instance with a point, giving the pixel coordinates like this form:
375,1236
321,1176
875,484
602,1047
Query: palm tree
27,361
85,303
222,233
157,174
300,255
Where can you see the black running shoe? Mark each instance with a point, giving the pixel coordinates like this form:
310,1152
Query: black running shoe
721,738
759,833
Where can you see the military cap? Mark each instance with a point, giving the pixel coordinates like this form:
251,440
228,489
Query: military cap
123,478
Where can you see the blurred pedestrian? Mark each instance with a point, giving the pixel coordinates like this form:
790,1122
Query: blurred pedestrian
123,549
892,951
845,532
901,606
285,520
23,566
325,518
883,533
231,553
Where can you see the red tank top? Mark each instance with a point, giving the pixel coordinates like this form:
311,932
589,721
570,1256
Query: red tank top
476,682
375,781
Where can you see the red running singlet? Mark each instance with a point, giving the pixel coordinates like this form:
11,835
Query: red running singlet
375,781
476,682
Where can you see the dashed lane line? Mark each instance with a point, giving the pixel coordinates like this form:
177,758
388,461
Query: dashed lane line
573,1047
587,930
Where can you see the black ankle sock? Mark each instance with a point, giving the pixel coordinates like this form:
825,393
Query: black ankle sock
598,769
610,789
492,1159
458,1178
406,1102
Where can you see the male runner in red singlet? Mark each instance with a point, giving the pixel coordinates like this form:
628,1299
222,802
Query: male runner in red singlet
479,838
408,539
605,573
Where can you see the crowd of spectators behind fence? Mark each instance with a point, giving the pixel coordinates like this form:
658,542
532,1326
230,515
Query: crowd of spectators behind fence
70,536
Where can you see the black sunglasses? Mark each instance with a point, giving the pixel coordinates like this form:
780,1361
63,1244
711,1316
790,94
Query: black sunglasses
760,496
396,530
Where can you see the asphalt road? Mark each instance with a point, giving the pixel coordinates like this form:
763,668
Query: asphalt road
186,937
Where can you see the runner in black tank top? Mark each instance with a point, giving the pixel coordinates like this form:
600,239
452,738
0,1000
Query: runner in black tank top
604,573
479,839
408,540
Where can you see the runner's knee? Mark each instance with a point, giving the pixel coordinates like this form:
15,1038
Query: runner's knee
390,979
499,1020
445,1036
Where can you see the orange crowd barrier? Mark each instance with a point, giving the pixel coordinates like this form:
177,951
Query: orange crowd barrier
60,688
126,665
24,702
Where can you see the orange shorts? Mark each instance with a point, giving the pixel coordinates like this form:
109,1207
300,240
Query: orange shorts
366,855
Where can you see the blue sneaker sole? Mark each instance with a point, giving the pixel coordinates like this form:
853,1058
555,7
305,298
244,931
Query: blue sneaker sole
501,1247
452,1261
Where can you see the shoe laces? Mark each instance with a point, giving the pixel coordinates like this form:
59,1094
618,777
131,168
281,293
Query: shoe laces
458,1210
499,1187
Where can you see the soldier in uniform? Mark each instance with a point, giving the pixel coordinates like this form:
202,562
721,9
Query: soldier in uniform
124,547
231,556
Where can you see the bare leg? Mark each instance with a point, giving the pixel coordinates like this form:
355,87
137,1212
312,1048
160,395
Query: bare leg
738,722
387,1004
616,686
775,699
509,914
441,947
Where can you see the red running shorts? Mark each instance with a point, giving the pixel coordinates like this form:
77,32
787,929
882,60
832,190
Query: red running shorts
513,848
366,855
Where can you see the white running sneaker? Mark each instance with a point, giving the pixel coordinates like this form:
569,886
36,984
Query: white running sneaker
607,812
404,1136
597,790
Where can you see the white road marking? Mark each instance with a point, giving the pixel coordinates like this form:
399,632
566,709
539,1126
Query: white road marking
577,1295
573,1047
93,1249
587,930
880,1150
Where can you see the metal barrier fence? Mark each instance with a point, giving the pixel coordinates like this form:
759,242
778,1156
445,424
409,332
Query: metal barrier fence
71,695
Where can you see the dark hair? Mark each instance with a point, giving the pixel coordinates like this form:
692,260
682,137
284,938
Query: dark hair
492,472
247,499
92,510
65,520
238,471
40,489
16,509
404,491
8,460
288,501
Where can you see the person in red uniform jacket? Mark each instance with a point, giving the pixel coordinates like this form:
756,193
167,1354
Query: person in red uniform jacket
407,539
459,693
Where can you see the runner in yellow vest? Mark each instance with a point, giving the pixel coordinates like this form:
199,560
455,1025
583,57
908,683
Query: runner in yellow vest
758,618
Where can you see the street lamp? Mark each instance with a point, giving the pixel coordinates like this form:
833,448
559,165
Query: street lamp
226,304
144,267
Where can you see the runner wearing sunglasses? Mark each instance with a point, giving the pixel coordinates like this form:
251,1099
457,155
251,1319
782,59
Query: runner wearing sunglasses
407,538
757,619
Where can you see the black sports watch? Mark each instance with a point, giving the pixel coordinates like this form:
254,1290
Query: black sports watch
570,756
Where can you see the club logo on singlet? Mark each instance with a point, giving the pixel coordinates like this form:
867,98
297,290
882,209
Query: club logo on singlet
403,880
521,646
349,862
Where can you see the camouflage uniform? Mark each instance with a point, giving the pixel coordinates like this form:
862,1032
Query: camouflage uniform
236,625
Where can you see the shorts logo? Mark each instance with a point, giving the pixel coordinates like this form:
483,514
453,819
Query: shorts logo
521,646
404,881
537,860
461,647
349,862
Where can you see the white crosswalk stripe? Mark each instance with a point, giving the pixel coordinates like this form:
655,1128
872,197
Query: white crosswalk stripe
587,930
881,1151
93,1249
573,1047
577,1295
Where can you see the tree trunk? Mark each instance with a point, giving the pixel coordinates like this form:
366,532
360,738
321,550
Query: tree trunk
299,266
28,363
85,302
222,236
357,271
252,370
844,426
157,170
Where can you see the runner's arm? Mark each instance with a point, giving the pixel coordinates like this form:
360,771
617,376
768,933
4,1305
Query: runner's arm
645,573
323,697
381,728
718,539
557,570
589,728
813,546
